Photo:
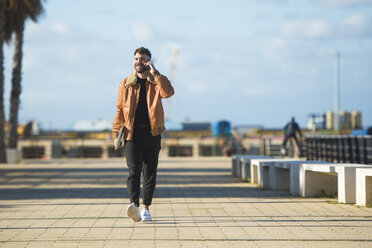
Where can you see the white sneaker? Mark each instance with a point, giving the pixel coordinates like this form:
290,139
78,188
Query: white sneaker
283,151
133,213
145,215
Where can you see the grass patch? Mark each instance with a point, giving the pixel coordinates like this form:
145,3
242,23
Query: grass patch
350,204
322,194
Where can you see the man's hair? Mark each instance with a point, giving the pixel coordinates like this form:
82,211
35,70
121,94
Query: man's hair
143,51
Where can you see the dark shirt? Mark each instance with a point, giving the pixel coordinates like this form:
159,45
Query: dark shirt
142,112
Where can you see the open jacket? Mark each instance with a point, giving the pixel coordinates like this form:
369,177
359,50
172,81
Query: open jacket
157,87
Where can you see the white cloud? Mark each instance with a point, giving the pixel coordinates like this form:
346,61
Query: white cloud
256,92
343,3
216,57
141,31
32,28
197,87
356,21
36,96
356,24
272,48
60,28
316,28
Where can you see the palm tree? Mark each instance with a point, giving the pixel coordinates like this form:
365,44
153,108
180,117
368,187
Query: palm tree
16,14
2,119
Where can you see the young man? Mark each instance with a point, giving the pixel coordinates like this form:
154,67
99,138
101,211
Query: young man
140,112
290,130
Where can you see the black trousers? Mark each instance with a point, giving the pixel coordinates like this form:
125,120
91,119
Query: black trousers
142,154
286,139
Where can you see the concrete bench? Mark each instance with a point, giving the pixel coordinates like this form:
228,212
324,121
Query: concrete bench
241,165
307,178
363,186
235,164
347,181
260,170
331,179
285,175
246,166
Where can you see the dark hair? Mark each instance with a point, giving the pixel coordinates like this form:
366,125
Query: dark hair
143,51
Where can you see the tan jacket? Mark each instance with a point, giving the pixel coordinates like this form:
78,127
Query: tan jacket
157,87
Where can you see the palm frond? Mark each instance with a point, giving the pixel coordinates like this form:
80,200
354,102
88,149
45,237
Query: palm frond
16,13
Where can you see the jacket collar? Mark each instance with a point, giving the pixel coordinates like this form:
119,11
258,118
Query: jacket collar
132,79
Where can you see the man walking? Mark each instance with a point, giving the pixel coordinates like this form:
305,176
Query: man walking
140,113
290,131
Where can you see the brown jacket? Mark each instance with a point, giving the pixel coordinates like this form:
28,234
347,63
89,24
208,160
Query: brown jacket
157,87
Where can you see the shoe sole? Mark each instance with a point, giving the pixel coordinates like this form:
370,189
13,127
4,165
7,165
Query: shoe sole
144,220
133,214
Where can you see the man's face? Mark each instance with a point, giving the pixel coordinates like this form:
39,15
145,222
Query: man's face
139,60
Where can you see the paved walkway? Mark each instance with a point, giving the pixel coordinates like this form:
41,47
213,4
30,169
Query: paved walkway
82,203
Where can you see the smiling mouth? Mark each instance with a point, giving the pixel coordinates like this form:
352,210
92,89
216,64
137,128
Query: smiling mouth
140,68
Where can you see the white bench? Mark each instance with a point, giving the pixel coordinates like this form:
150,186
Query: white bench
260,170
246,166
347,181
316,178
285,175
363,186
330,178
235,160
241,165
308,178
236,165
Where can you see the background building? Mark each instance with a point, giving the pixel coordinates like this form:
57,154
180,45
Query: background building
356,120
316,121
348,120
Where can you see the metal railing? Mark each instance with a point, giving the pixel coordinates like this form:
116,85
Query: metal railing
340,148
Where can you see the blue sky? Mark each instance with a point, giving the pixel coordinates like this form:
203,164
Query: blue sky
251,62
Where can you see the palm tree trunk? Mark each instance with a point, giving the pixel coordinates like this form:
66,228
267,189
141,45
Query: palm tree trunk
2,119
16,90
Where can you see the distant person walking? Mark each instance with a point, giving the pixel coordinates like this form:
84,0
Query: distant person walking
290,131
140,113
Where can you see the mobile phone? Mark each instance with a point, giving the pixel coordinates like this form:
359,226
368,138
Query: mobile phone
148,67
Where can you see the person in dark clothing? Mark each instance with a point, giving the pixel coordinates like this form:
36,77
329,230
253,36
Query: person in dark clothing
290,131
140,114
369,131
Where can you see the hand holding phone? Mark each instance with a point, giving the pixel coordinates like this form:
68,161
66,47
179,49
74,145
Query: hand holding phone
150,66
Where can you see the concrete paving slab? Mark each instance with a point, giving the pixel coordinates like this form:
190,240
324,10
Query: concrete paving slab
82,203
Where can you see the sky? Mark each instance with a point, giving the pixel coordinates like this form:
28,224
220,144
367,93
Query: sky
255,62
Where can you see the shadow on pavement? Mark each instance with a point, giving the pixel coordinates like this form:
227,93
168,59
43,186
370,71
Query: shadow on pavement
103,183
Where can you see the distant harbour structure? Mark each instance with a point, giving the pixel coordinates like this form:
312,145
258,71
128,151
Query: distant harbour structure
95,125
196,125
241,130
316,121
347,120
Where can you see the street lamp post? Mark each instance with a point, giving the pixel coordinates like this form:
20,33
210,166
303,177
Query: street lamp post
337,94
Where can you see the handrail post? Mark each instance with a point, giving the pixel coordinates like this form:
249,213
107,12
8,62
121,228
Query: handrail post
351,157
